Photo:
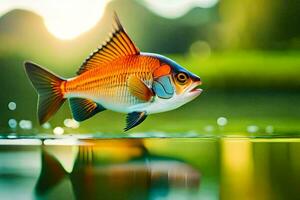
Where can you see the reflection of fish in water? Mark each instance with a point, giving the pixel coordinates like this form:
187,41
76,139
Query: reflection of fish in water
117,77
106,172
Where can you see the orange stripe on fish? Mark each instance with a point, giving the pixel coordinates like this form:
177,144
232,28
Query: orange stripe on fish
63,88
161,71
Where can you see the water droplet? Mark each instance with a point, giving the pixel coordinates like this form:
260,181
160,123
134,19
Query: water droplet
12,105
12,123
269,129
47,125
209,128
252,129
25,124
200,49
71,123
58,130
222,121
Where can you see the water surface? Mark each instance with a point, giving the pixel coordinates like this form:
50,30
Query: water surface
150,168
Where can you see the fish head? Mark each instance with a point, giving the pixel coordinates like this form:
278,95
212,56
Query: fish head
186,84
174,84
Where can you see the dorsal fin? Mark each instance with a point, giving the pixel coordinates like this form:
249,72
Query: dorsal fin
118,45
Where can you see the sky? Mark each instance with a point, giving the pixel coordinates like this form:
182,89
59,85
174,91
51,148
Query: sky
67,19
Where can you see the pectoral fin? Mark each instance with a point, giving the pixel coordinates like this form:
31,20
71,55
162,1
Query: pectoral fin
139,89
133,119
83,109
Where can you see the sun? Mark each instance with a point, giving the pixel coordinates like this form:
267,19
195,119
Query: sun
72,18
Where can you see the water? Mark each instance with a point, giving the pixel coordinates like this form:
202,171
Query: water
150,168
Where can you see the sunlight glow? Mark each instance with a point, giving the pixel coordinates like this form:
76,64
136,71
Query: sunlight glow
176,8
64,19
69,18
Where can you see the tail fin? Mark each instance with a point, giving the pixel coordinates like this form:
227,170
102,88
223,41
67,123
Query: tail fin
48,87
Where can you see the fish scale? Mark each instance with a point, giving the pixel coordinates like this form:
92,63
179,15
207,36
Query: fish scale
104,82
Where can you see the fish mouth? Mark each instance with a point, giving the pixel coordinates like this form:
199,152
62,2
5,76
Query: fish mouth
195,87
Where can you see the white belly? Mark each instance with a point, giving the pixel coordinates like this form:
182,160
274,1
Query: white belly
156,106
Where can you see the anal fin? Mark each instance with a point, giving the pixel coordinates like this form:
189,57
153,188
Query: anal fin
83,109
133,119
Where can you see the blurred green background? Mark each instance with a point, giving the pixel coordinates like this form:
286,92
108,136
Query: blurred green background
246,52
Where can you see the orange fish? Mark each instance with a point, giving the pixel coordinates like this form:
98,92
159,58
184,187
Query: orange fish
117,77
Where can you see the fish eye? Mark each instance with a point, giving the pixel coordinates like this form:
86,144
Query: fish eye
181,78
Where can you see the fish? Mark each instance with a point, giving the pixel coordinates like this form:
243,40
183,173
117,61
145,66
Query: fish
117,77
